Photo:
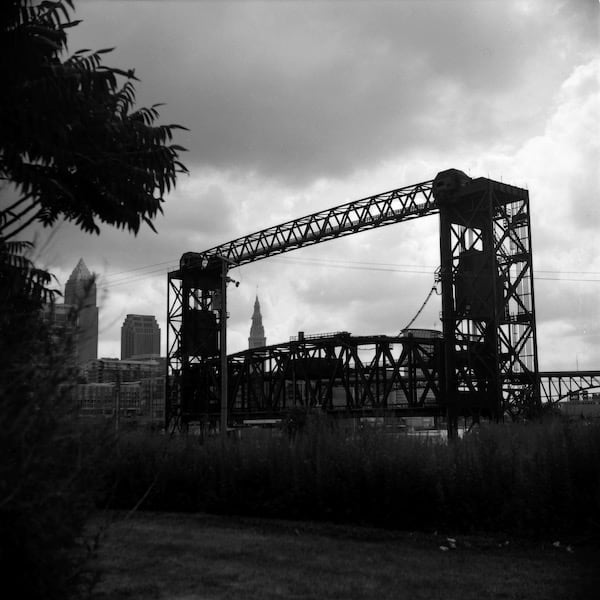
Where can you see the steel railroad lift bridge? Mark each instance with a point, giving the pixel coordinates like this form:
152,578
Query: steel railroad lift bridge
484,365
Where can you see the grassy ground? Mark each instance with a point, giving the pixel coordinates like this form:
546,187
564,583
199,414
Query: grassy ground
193,557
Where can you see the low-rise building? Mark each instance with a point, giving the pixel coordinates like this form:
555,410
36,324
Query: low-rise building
106,370
153,398
96,398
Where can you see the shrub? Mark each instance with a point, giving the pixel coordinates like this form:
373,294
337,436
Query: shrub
48,464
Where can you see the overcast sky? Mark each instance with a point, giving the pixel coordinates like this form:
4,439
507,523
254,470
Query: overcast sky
294,107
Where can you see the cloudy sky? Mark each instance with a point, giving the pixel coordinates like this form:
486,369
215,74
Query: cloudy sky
295,107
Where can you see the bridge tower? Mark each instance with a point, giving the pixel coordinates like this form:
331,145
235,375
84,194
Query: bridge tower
488,313
194,339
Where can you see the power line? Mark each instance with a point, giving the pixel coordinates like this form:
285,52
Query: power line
565,279
330,261
110,282
356,265
160,268
167,262
340,263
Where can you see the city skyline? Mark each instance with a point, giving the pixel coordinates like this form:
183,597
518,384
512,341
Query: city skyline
140,334
317,104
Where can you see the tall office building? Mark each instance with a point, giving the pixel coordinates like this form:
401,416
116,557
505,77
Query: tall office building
257,337
80,289
140,336
80,298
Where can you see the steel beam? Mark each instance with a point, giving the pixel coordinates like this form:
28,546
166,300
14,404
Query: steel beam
390,207
340,374
562,385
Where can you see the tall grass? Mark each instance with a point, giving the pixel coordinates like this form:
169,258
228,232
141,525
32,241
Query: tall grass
531,479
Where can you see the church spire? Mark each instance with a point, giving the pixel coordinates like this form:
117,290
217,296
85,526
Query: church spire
257,337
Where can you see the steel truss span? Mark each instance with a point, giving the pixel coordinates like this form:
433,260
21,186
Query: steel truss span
561,385
339,373
486,364
403,204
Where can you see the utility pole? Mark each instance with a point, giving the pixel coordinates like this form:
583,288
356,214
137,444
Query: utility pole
225,262
223,345
117,401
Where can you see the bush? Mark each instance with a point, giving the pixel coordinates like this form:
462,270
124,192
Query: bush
48,464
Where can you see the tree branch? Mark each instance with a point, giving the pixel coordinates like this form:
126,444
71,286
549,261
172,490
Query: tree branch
17,203
18,216
23,226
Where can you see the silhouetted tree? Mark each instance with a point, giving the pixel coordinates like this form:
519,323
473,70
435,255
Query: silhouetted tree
72,147
71,142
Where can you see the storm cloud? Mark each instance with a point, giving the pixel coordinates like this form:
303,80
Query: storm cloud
294,107
301,90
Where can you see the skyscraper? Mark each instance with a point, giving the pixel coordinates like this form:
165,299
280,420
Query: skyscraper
80,289
80,297
140,336
257,337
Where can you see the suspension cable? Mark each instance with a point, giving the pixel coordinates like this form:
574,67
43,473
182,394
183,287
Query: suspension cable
431,291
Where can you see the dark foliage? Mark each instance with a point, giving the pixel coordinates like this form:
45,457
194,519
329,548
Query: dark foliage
72,148
23,287
48,465
71,141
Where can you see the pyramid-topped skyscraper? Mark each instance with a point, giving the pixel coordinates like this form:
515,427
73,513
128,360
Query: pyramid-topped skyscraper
80,287
80,296
257,337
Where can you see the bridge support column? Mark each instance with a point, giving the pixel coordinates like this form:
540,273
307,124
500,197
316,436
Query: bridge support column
487,297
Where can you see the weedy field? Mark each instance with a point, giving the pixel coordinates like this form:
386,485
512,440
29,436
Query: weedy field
538,480
507,512
205,557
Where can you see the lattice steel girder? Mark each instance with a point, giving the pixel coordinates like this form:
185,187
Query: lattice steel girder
402,204
560,385
487,296
340,373
174,347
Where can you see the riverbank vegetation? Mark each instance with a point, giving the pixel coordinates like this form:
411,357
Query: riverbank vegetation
533,479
